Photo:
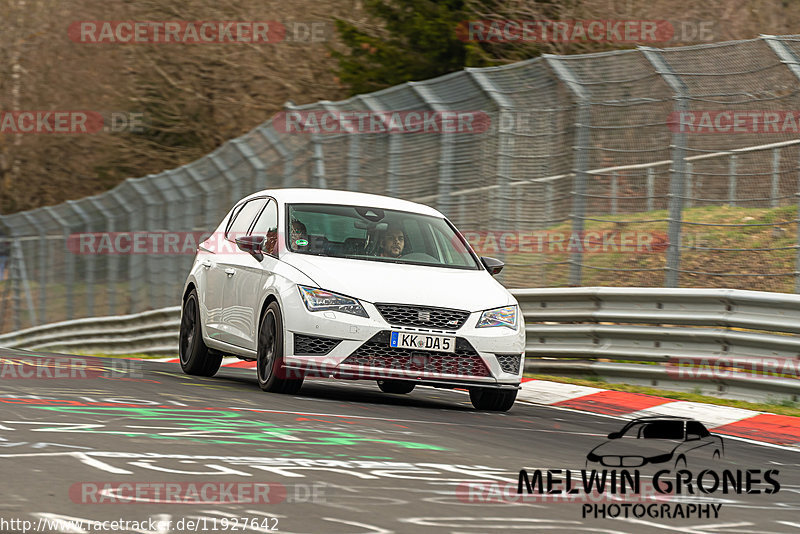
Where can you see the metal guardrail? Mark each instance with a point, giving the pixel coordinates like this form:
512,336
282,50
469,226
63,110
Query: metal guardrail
150,332
720,341
570,332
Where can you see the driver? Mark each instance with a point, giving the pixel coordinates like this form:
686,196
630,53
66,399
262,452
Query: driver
393,242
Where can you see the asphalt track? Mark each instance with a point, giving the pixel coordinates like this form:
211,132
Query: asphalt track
341,457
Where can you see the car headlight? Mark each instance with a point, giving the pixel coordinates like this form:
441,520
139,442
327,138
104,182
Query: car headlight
505,316
660,459
317,299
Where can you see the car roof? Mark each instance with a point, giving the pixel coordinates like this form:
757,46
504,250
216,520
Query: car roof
300,195
652,418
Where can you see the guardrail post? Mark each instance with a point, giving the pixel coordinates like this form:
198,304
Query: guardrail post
678,177
580,162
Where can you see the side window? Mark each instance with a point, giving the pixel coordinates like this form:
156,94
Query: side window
695,427
242,219
267,225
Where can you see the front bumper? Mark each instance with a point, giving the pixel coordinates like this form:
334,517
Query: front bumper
352,347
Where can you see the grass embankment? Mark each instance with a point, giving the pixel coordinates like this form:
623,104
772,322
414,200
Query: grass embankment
761,228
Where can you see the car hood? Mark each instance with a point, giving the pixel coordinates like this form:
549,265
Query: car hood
375,281
636,447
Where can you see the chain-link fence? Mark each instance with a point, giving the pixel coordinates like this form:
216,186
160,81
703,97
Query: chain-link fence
644,167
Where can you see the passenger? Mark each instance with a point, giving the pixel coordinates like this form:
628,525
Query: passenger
298,237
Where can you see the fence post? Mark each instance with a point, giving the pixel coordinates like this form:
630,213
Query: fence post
394,151
317,156
446,152
580,162
651,188
505,153
353,149
70,261
41,256
136,207
776,165
797,225
111,261
614,191
689,185
90,260
287,155
260,179
787,57
23,278
678,175
732,180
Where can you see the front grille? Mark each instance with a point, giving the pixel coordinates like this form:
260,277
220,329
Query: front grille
509,363
622,461
313,345
423,316
377,353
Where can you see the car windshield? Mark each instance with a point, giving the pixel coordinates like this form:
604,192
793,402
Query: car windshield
656,430
375,234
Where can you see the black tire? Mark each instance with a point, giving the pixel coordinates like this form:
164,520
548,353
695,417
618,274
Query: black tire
680,460
269,364
195,357
399,387
492,400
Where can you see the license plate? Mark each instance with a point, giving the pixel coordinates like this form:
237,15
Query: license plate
405,340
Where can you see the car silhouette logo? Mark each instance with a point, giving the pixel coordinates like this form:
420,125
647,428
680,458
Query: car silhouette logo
673,441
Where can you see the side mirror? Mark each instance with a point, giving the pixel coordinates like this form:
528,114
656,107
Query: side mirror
614,435
494,266
692,437
253,244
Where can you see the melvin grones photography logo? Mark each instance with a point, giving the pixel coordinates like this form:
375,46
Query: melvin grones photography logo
648,461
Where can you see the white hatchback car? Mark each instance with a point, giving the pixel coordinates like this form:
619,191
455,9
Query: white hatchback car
313,282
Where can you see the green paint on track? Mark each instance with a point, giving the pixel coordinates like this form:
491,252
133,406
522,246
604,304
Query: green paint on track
230,426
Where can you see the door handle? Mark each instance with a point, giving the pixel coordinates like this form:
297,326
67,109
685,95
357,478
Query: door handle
206,264
230,272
